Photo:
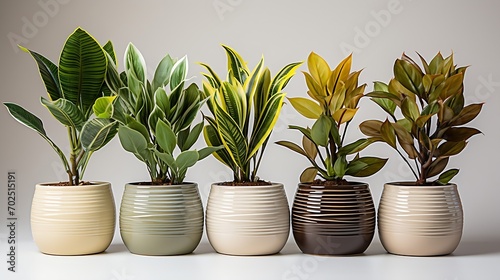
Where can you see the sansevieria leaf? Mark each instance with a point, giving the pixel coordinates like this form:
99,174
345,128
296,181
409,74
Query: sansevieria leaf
266,122
231,136
82,69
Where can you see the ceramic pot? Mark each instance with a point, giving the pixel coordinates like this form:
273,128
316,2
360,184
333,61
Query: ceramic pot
73,220
161,220
336,220
248,220
420,220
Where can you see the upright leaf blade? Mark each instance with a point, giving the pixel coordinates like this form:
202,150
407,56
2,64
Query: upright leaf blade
97,133
82,69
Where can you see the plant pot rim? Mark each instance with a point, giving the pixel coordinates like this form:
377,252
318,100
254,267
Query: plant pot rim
93,185
273,184
350,185
142,184
411,184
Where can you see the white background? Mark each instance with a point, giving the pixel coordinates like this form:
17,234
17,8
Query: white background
377,32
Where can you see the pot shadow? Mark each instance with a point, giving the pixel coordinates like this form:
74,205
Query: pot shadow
116,248
477,247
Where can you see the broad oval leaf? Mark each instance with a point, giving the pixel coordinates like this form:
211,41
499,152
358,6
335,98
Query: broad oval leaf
446,177
133,141
448,148
165,137
320,131
179,72
344,115
82,69
319,69
467,114
135,64
162,73
308,175
97,132
294,147
186,159
388,134
456,134
371,128
205,152
309,147
306,107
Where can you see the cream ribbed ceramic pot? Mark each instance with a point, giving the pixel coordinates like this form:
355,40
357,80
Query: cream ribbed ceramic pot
73,220
248,220
420,220
161,220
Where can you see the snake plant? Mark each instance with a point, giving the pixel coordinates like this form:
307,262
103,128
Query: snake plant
245,108
428,126
156,116
73,87
333,103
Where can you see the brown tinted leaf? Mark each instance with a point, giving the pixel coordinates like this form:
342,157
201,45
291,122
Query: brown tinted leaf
456,134
371,128
388,134
449,148
309,147
308,175
468,113
437,167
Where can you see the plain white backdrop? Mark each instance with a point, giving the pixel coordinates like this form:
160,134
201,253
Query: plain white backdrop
377,32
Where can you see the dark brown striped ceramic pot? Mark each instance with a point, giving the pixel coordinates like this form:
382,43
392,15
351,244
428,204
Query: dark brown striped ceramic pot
333,220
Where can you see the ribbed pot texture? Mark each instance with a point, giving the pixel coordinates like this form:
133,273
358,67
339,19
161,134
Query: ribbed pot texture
420,220
73,220
337,220
161,220
248,220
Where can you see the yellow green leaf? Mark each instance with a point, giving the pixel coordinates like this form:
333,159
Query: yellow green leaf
306,107
318,68
344,115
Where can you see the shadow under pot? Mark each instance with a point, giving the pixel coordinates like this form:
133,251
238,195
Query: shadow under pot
248,220
73,220
420,220
161,220
333,220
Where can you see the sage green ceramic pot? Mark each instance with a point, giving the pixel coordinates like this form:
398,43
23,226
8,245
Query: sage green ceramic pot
161,220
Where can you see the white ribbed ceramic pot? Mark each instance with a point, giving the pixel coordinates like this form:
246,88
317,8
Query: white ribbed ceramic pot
161,220
420,220
248,220
73,220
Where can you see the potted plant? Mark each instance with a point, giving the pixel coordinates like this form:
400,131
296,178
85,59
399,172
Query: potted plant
332,216
74,217
248,216
165,215
425,217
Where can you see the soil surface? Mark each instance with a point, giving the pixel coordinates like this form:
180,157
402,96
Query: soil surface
334,183
242,184
67,184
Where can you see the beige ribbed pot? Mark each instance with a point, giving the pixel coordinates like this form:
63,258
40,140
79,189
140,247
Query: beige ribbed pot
161,220
73,220
248,220
420,220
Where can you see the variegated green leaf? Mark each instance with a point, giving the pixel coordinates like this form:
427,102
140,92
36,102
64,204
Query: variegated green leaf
49,73
165,137
232,137
82,69
65,112
97,132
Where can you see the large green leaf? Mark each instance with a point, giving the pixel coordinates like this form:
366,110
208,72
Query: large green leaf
205,152
192,136
65,112
212,138
320,131
48,73
294,147
266,122
133,141
165,137
135,64
186,159
97,132
103,107
162,73
82,69
445,177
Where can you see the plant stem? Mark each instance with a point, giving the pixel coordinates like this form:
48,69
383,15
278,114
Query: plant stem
408,163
